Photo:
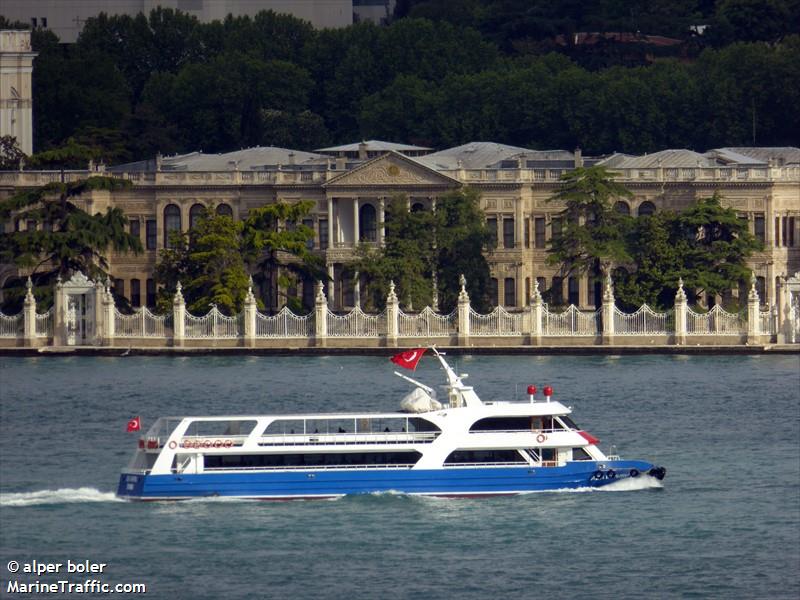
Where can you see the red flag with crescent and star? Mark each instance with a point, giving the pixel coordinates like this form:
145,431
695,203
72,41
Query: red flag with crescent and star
409,358
134,424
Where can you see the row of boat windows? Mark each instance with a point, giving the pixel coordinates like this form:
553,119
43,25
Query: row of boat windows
523,423
248,461
373,425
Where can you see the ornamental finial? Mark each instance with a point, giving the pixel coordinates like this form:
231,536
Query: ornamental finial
463,296
680,296
608,291
536,297
392,296
320,295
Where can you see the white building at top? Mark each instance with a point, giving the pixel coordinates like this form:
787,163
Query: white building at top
16,93
67,18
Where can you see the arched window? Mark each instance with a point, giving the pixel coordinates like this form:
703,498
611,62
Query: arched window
417,207
622,208
646,209
172,222
367,223
194,214
224,210
510,291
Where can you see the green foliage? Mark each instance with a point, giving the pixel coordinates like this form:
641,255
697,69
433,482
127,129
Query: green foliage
60,238
209,263
132,86
449,242
707,245
10,153
593,232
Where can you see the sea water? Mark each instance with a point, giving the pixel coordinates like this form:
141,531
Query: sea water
725,523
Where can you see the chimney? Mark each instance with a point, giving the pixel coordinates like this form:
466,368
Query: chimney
291,158
362,151
578,158
341,163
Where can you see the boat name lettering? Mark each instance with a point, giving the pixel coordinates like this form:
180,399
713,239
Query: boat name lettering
217,443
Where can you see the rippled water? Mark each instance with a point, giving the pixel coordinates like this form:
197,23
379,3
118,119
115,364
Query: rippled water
726,523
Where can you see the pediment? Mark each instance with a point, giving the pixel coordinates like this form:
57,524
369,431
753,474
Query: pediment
391,169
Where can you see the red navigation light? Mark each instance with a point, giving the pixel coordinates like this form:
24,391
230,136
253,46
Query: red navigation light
531,390
548,391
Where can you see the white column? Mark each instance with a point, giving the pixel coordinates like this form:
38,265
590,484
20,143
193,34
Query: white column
108,314
356,233
392,317
250,316
537,312
178,317
519,222
680,315
320,317
753,313
382,223
463,313
331,240
331,285
29,315
59,315
608,312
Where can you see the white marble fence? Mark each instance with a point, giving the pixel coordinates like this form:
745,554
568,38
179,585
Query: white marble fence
537,324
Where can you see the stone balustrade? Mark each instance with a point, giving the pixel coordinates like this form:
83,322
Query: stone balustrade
536,325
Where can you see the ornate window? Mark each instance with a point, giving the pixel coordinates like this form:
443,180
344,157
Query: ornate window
367,225
622,208
194,214
646,209
172,222
224,210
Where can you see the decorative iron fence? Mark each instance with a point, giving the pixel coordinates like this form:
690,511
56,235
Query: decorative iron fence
766,322
12,325
44,324
356,323
213,325
717,321
572,322
427,324
142,323
285,324
498,322
644,321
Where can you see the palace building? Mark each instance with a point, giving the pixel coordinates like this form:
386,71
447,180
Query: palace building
350,186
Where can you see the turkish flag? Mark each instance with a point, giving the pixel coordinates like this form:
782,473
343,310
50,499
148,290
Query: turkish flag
409,358
134,424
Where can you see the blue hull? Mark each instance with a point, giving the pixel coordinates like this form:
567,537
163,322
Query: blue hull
280,485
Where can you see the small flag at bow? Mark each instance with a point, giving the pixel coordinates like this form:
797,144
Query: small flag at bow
409,358
134,424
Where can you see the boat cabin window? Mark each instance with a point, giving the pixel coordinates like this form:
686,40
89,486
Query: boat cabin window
417,424
580,454
570,424
221,428
308,459
483,457
285,427
502,424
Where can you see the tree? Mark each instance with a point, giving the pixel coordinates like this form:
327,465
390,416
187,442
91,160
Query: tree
449,242
208,261
58,237
462,239
276,244
592,238
10,153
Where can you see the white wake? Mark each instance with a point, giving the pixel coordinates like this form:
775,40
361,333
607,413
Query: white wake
60,496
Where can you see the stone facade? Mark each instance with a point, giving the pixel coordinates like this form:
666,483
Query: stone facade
16,92
350,198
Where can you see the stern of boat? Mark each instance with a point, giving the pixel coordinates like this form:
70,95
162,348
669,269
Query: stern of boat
131,486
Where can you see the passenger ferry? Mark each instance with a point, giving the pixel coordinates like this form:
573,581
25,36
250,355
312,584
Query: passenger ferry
464,447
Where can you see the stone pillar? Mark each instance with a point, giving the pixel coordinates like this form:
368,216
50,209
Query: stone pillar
782,301
463,313
753,313
29,316
356,290
680,314
435,292
108,310
356,232
320,317
59,315
100,316
331,240
250,316
178,317
331,285
392,317
537,314
382,222
608,312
